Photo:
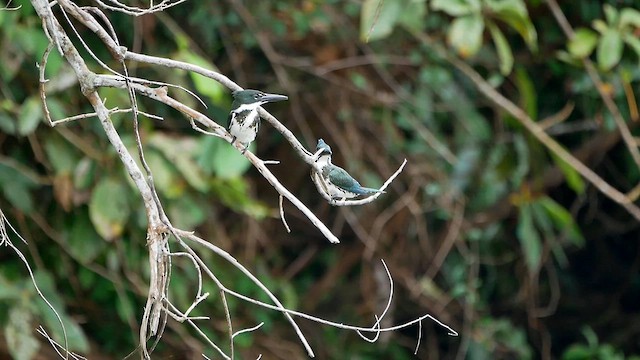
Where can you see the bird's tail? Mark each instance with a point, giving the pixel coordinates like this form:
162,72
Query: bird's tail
368,191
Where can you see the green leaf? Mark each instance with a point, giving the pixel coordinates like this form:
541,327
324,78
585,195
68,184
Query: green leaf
563,220
16,183
233,193
564,56
609,49
30,116
378,18
413,14
523,159
164,175
187,213
18,195
456,7
125,308
514,13
83,173
204,85
19,334
465,34
181,152
223,160
611,14
600,26
633,42
83,241
502,47
577,352
574,179
629,16
529,239
109,208
63,157
75,335
7,124
527,92
583,43
9,290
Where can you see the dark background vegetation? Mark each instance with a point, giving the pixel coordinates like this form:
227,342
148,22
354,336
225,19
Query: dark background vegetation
482,229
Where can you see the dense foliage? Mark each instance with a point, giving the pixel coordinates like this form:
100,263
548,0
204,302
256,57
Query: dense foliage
486,229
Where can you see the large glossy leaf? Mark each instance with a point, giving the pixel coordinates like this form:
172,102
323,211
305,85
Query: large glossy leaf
181,153
83,173
164,175
7,124
16,185
465,34
83,241
109,208
221,159
609,49
62,156
19,195
583,43
234,193
187,213
413,13
378,18
30,116
204,85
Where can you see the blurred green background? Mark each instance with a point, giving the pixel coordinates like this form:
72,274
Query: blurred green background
485,229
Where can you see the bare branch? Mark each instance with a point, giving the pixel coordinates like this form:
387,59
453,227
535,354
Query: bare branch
284,221
225,255
160,94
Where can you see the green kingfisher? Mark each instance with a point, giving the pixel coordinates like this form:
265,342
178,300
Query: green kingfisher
337,181
244,119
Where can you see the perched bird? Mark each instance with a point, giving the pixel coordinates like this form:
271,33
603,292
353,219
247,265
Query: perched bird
335,180
244,119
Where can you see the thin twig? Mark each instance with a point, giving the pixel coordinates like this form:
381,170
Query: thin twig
284,221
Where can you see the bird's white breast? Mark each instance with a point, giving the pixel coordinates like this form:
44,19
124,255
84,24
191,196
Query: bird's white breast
245,131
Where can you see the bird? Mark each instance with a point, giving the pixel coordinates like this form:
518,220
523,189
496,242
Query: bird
336,181
244,119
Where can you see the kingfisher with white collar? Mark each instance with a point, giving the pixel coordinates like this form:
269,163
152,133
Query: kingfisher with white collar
335,180
244,119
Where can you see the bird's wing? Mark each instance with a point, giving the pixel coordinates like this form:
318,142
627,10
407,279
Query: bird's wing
232,114
340,177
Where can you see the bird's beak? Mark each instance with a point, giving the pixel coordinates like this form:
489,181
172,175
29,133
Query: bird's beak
273,98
